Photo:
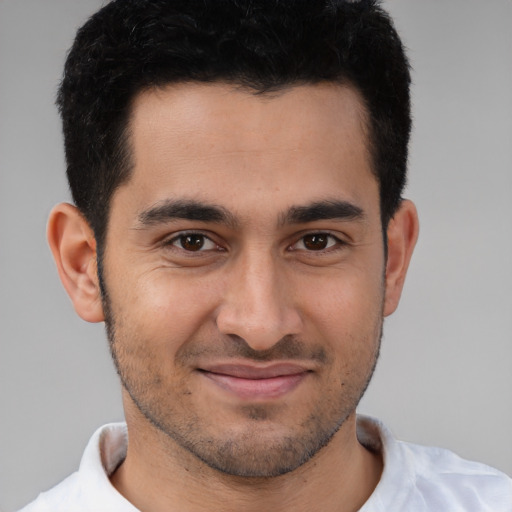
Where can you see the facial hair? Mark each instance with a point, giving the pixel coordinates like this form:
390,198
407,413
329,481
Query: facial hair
257,447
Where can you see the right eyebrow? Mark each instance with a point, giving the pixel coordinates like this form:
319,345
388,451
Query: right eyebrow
186,209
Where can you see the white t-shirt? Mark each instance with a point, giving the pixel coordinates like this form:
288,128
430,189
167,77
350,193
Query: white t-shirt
415,478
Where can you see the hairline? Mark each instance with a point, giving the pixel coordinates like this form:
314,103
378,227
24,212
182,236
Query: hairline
126,164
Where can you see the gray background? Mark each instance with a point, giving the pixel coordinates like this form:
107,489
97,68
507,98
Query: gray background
445,374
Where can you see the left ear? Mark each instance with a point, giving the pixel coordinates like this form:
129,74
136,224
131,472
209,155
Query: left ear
402,234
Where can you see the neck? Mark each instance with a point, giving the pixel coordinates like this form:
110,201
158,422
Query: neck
158,475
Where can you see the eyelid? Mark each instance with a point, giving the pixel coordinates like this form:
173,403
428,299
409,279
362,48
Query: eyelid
339,242
170,240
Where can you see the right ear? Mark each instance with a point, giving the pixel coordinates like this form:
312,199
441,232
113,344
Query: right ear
73,247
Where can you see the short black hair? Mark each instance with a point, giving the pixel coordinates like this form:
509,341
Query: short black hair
264,45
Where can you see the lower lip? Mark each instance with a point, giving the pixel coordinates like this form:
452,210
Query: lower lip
253,389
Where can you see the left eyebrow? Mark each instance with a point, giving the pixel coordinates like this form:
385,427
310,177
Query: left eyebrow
323,210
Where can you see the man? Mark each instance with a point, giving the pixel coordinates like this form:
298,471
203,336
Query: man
237,170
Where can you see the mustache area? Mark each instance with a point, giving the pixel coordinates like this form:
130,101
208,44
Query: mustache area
234,347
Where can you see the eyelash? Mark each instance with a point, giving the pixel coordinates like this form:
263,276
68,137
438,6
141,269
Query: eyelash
335,242
181,236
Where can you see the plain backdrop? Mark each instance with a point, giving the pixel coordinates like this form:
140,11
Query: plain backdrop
444,377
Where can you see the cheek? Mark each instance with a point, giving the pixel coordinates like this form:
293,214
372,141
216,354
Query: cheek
162,305
345,311
344,298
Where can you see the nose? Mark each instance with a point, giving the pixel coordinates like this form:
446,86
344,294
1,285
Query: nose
258,303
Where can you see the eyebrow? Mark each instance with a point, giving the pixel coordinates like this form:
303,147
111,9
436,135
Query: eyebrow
185,209
189,209
323,210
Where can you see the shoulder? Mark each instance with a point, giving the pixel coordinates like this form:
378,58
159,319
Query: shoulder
90,486
444,477
58,498
423,478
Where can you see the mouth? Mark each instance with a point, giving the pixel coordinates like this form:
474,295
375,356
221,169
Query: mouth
252,382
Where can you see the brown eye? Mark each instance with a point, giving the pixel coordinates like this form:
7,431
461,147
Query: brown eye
193,242
316,241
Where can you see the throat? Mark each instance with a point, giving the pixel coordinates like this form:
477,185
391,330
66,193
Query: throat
340,478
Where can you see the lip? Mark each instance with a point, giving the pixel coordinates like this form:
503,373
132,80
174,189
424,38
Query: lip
252,382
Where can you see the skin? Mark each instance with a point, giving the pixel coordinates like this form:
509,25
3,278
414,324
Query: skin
245,325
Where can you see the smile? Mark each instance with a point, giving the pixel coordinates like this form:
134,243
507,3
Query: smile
255,383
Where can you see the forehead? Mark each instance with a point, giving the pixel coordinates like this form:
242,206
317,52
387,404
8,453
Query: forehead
285,119
215,141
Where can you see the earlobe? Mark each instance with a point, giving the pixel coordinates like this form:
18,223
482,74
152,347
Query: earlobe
73,246
402,234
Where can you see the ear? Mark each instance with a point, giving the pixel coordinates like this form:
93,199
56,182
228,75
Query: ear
402,234
74,249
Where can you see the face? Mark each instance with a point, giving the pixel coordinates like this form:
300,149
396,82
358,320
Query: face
244,271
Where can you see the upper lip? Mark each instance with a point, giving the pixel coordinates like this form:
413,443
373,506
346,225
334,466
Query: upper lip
254,371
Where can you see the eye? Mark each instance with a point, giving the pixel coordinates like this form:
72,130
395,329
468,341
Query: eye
193,242
316,242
